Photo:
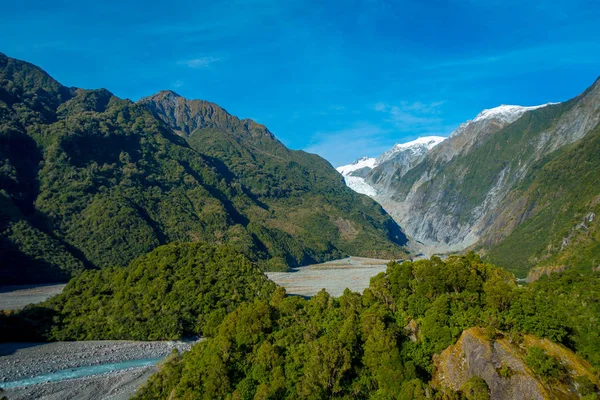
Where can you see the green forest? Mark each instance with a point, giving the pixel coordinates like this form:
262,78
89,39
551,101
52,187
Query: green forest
380,345
262,343
176,291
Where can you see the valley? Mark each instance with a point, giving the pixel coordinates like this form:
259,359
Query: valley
353,273
171,218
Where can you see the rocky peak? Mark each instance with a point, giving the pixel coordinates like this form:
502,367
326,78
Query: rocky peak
506,113
185,116
413,148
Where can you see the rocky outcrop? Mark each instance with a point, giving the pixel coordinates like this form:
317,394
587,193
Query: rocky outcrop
537,272
501,365
184,116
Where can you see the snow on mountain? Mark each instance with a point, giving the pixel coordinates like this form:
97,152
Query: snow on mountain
416,147
506,113
365,162
355,173
359,185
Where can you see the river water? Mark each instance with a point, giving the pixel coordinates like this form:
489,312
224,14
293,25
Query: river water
80,372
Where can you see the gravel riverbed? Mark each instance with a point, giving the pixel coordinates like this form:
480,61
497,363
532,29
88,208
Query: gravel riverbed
17,297
119,385
24,360
354,273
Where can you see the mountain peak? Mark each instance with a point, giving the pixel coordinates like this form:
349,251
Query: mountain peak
419,146
428,141
506,113
169,93
162,95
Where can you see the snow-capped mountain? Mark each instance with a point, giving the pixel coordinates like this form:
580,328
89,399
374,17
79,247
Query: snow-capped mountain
415,147
364,162
460,193
402,156
506,113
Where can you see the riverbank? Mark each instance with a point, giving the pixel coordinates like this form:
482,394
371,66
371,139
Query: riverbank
119,385
19,361
25,360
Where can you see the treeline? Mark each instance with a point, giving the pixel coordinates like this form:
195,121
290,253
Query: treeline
380,345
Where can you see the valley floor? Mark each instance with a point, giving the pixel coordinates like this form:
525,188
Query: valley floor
335,276
18,296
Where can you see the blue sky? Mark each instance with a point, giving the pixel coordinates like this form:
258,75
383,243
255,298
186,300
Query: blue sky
339,78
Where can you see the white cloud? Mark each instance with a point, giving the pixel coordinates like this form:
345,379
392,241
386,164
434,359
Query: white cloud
201,62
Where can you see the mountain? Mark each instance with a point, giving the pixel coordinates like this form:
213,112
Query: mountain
503,183
89,180
401,157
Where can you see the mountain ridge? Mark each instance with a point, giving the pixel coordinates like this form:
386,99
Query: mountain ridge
89,180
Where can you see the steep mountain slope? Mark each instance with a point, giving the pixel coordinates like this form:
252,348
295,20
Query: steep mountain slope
457,196
400,159
88,180
301,192
557,203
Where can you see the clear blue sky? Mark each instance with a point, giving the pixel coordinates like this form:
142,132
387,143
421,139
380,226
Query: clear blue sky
339,78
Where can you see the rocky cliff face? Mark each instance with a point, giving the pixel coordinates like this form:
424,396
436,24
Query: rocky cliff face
459,193
501,364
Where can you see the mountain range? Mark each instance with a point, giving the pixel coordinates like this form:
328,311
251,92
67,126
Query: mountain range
518,184
89,180
164,213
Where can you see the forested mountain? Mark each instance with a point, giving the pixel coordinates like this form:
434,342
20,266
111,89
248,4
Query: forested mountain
88,180
516,182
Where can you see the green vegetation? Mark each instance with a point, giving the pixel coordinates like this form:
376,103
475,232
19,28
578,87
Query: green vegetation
562,194
544,365
586,387
88,181
476,389
376,345
176,291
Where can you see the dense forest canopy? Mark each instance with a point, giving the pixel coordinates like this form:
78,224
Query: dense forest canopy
382,344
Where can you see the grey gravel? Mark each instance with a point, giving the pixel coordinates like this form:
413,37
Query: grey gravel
18,296
25,360
119,385
353,273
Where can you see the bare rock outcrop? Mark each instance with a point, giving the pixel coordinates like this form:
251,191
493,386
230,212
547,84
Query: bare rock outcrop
501,365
